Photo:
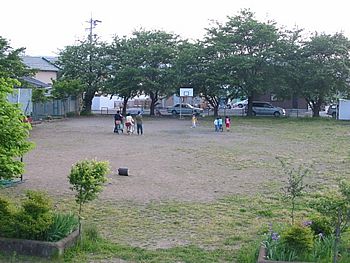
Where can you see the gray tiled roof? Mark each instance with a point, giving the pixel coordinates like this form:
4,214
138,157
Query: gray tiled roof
39,63
35,82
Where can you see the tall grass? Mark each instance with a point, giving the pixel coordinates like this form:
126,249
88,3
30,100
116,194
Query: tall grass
62,226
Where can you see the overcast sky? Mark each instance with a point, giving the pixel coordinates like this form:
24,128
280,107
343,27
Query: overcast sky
43,27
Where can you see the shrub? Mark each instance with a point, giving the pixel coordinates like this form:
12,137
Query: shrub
6,228
321,225
4,207
298,238
36,204
29,227
34,219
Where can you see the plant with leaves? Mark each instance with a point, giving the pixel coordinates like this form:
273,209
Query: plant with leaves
29,221
336,206
155,52
65,88
317,69
87,178
87,63
124,72
11,65
14,133
198,66
245,53
295,183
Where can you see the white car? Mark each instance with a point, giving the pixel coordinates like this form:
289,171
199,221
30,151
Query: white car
239,104
186,109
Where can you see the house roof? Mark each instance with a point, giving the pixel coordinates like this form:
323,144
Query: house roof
35,82
39,63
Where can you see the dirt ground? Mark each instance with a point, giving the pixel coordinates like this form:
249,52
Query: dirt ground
171,161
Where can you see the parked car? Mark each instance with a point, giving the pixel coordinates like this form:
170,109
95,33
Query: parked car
186,109
332,110
239,104
266,109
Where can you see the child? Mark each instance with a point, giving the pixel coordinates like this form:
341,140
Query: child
227,123
129,123
216,124
220,124
194,120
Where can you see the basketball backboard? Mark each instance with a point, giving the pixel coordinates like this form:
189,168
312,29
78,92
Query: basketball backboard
186,92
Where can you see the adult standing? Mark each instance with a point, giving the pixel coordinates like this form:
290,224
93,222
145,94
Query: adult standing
138,119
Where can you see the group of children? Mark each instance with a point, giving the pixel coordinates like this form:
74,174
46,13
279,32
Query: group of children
218,124
129,123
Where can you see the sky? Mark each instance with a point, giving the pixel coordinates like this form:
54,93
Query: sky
44,27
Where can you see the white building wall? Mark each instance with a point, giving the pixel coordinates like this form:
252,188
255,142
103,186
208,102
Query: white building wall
99,102
344,109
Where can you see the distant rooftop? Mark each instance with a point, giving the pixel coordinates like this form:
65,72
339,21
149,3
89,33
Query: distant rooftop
35,82
40,63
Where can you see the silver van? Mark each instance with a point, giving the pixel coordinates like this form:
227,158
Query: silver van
266,109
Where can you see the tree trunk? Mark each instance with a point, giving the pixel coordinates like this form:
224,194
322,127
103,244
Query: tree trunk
125,104
316,109
154,99
216,110
250,106
88,101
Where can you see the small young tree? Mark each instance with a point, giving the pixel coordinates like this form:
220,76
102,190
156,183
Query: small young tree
295,183
87,178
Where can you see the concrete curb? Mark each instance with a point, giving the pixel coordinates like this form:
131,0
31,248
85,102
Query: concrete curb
38,248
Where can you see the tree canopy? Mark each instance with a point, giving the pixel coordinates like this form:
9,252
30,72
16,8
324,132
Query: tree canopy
242,57
86,62
13,131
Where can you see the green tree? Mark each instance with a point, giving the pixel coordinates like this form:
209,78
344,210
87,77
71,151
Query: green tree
11,65
199,67
317,69
14,133
64,88
245,50
155,52
124,71
87,178
88,63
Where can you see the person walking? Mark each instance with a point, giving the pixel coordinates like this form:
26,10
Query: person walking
118,122
227,123
220,124
216,124
194,120
138,119
129,122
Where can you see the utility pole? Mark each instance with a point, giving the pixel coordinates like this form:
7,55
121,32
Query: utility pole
93,23
89,93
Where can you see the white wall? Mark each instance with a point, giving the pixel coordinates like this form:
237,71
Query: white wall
344,109
103,102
